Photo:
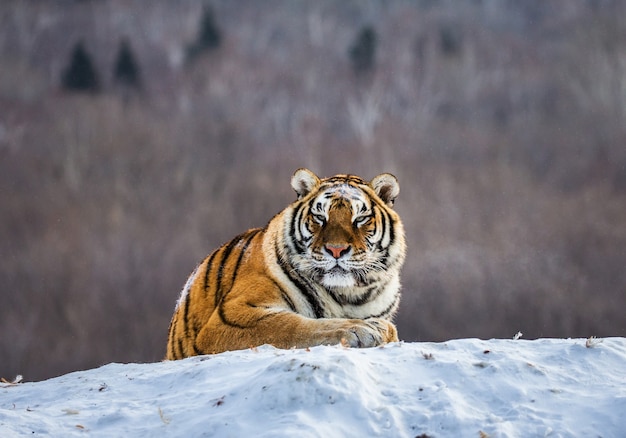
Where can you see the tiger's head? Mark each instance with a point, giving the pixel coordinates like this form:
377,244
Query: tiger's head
343,229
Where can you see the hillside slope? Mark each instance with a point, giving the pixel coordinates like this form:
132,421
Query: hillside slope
469,387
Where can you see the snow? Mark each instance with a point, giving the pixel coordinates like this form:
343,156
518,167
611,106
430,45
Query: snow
466,387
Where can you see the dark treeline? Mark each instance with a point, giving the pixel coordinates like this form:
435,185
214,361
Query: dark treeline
504,122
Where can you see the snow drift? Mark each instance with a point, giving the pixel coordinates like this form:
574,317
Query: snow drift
469,387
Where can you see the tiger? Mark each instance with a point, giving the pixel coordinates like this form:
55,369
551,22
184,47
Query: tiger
324,271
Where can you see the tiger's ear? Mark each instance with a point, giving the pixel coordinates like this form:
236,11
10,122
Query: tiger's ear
386,187
304,181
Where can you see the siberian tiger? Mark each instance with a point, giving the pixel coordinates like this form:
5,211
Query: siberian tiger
325,270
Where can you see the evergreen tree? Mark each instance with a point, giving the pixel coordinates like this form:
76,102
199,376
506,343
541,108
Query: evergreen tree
363,50
209,36
80,75
450,40
126,71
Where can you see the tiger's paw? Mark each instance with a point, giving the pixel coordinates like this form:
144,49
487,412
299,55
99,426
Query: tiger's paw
368,333
388,329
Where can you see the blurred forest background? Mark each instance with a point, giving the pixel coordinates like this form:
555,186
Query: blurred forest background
137,136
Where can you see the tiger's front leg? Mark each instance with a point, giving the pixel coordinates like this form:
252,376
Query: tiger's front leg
359,333
238,324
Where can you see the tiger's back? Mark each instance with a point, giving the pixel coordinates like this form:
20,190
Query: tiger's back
324,270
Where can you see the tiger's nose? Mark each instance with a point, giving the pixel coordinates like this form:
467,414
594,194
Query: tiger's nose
336,250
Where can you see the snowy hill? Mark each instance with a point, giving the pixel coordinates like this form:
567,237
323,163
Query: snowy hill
469,387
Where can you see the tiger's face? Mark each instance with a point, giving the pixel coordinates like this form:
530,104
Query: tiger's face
345,231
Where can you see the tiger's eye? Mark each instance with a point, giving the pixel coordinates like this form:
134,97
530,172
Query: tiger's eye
320,219
361,220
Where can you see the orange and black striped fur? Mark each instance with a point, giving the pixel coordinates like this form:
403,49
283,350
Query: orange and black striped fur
323,271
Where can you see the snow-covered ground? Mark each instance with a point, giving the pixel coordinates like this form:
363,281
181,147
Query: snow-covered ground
461,388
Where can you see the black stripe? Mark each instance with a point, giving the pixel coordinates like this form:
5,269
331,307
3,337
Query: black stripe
389,308
392,240
386,217
367,296
249,236
231,323
172,335
285,296
222,315
287,299
342,179
383,224
196,350
388,224
392,232
296,218
226,250
207,273
195,327
308,292
339,299
181,352
356,301
186,314
292,225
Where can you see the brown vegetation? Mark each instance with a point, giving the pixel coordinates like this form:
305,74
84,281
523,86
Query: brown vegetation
505,123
